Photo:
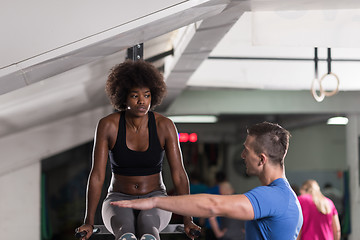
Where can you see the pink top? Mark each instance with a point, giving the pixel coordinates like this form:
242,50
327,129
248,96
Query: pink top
316,226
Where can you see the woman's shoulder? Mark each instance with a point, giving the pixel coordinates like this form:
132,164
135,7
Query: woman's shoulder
162,120
165,126
110,120
332,205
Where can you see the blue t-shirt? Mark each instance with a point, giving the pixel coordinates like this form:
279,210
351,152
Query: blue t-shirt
277,212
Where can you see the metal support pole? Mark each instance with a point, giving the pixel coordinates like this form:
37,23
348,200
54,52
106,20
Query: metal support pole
136,52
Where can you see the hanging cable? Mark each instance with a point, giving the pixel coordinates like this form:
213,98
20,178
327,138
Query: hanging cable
329,60
318,98
316,60
330,73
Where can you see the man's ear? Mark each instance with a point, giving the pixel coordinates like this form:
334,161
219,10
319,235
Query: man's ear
263,159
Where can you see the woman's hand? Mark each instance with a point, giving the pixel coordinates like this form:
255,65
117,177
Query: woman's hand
191,229
88,228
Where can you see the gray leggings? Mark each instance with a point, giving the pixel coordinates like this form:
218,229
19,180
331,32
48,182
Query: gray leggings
122,220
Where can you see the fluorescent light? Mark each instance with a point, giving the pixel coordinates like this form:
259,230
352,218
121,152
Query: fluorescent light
337,121
194,119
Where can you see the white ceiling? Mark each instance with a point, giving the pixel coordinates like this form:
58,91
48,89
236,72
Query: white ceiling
56,66
250,38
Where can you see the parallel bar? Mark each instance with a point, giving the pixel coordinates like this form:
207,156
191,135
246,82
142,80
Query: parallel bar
170,229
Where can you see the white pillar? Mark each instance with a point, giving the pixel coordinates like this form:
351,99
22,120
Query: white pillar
20,203
352,144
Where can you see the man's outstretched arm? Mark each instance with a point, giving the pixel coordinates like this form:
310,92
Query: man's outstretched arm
197,205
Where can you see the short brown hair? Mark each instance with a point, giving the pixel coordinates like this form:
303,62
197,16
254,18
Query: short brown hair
271,139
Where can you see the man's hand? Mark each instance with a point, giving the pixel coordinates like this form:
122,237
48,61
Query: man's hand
140,204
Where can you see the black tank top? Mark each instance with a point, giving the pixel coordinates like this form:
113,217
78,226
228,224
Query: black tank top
125,161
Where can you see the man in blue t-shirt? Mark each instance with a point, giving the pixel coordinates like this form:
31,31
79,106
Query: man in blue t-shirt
272,210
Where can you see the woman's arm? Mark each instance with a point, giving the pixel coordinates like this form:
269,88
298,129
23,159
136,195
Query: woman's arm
336,227
174,156
96,176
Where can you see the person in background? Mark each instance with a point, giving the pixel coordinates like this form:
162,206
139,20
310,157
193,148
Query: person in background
336,196
197,186
135,139
223,228
272,210
321,220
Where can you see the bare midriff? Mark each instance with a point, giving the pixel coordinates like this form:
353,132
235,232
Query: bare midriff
136,185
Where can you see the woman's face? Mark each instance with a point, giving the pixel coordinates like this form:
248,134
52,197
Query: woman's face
138,101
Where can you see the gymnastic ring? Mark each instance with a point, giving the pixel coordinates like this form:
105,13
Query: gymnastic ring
318,98
335,91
